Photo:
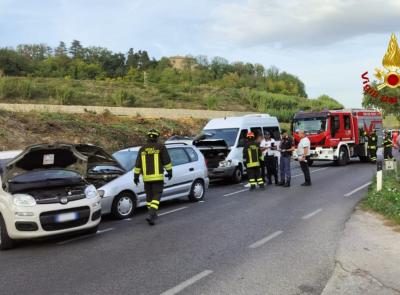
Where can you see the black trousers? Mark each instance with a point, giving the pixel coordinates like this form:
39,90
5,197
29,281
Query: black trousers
262,167
254,174
372,154
154,190
387,153
272,168
306,171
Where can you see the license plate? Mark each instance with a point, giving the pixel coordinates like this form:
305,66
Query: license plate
66,217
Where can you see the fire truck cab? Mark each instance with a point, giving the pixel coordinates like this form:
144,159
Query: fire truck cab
338,135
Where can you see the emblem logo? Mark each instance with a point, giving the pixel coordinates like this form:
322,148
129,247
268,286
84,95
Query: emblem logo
64,200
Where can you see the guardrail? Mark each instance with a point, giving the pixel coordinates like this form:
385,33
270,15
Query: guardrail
123,111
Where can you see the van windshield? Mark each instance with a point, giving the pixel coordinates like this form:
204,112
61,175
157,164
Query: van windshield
227,134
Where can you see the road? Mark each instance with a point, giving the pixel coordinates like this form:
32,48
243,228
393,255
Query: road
277,241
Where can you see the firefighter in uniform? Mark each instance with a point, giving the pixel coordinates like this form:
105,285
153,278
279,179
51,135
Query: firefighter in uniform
372,145
387,146
151,161
252,155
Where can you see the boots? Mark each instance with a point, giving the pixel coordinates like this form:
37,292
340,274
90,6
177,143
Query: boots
262,186
151,217
287,184
252,187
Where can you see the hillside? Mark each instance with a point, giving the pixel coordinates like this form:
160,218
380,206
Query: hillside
111,132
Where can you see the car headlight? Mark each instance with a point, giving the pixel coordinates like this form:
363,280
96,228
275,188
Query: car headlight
91,192
225,163
24,200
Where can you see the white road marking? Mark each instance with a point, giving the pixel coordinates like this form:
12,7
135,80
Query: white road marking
265,240
358,189
311,171
237,192
85,236
312,214
187,283
172,211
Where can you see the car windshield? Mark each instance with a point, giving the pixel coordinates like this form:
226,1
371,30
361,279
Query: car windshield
46,175
310,125
228,134
127,159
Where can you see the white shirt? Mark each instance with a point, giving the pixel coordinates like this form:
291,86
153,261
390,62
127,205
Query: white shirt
304,143
268,144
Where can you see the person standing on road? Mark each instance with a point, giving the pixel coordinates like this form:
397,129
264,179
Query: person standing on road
286,148
261,142
269,158
387,146
303,152
151,161
252,156
372,145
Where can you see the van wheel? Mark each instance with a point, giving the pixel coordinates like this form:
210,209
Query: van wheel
237,175
5,241
343,157
197,191
123,205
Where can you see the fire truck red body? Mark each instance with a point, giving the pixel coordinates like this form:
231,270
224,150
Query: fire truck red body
338,135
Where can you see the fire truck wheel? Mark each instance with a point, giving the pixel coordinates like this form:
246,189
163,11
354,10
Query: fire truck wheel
343,156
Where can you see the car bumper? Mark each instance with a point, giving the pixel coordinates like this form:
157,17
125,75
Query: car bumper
221,172
52,219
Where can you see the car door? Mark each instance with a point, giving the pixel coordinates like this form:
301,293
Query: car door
182,170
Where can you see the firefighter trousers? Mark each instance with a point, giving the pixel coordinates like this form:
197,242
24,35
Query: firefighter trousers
254,174
372,153
153,190
387,153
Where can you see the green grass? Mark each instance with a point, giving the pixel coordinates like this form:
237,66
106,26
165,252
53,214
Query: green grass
387,201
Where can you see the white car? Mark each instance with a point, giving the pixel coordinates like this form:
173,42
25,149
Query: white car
43,192
121,196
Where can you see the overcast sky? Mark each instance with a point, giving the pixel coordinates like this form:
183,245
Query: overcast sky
327,43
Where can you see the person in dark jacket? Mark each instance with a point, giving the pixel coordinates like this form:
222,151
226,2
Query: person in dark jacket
387,146
151,161
252,156
286,148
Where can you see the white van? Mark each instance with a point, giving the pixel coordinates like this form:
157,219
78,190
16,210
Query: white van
221,142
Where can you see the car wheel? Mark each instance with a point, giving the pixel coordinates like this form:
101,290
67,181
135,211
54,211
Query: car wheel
197,191
123,205
343,157
5,241
237,175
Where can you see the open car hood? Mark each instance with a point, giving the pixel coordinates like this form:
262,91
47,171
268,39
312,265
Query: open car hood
97,156
46,156
211,144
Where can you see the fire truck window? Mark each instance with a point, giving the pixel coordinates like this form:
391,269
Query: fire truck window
347,122
335,125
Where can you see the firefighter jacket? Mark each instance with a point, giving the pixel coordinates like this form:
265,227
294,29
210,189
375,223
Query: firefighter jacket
372,141
252,154
151,161
387,142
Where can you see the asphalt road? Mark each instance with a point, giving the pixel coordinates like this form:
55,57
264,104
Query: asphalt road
277,241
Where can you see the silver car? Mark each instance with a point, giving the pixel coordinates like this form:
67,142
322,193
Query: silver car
121,196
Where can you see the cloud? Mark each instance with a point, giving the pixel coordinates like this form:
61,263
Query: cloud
303,23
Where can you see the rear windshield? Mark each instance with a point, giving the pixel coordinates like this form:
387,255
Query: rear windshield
127,159
227,134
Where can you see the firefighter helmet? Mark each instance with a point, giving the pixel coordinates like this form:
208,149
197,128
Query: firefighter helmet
250,134
153,134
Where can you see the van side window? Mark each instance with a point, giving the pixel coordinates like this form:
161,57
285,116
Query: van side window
257,131
274,131
242,137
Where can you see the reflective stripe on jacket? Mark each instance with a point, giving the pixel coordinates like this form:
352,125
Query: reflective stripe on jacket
151,161
252,154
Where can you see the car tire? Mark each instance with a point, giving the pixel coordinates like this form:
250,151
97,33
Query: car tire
6,242
197,191
343,157
237,175
123,205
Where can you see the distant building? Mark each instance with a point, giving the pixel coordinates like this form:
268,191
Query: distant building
182,62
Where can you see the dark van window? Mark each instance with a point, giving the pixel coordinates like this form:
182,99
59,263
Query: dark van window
178,156
274,131
242,137
192,154
257,131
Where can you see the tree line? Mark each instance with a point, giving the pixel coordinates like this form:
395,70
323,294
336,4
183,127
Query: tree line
98,63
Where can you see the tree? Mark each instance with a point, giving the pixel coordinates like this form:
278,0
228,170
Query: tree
36,52
76,49
13,64
61,49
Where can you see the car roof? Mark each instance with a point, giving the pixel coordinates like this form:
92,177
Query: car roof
168,146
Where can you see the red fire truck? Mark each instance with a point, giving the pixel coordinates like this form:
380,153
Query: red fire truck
338,135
